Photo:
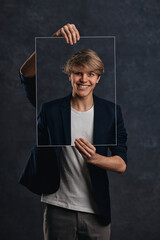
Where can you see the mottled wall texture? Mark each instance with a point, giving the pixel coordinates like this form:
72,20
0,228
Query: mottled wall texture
135,195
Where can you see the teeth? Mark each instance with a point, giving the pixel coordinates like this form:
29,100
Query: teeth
81,86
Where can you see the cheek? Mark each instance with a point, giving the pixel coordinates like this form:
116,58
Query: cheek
73,82
94,82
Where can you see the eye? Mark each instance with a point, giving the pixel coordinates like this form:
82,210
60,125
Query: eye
91,74
78,73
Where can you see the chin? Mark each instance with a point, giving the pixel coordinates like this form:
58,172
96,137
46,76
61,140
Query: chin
83,94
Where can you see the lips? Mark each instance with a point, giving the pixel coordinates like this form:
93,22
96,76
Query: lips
83,86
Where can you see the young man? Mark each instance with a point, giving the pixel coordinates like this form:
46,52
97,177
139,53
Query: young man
72,179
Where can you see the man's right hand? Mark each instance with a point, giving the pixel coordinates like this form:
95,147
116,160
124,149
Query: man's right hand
69,32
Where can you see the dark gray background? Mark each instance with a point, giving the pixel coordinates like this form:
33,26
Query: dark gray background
135,195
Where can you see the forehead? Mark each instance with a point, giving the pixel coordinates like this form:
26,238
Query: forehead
82,69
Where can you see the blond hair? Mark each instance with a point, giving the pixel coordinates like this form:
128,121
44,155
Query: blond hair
87,59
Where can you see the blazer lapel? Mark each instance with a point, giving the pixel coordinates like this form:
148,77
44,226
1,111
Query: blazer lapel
66,119
102,123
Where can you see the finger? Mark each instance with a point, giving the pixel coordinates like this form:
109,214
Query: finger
76,31
84,156
81,149
73,33
87,143
83,145
69,35
63,34
69,32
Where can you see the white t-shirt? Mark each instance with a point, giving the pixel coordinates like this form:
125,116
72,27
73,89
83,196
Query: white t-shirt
75,191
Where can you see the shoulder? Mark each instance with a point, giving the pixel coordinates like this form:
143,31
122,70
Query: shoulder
105,103
107,107
56,104
57,101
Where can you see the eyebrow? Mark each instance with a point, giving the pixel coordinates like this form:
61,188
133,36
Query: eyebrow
81,71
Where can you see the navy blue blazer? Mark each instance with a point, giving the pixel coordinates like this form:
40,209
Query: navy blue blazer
41,173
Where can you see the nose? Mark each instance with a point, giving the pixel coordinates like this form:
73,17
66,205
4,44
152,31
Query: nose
84,78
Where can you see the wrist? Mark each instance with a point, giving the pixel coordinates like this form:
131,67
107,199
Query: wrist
96,159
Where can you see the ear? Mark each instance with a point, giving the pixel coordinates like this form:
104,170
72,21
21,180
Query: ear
69,76
98,79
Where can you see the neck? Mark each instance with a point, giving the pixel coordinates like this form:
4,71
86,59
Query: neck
82,104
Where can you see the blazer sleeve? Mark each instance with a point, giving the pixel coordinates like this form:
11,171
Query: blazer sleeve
29,85
30,90
41,171
121,135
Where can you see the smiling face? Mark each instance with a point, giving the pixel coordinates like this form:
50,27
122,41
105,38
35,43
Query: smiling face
83,81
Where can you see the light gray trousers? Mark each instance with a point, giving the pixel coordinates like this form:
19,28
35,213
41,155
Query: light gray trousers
64,224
